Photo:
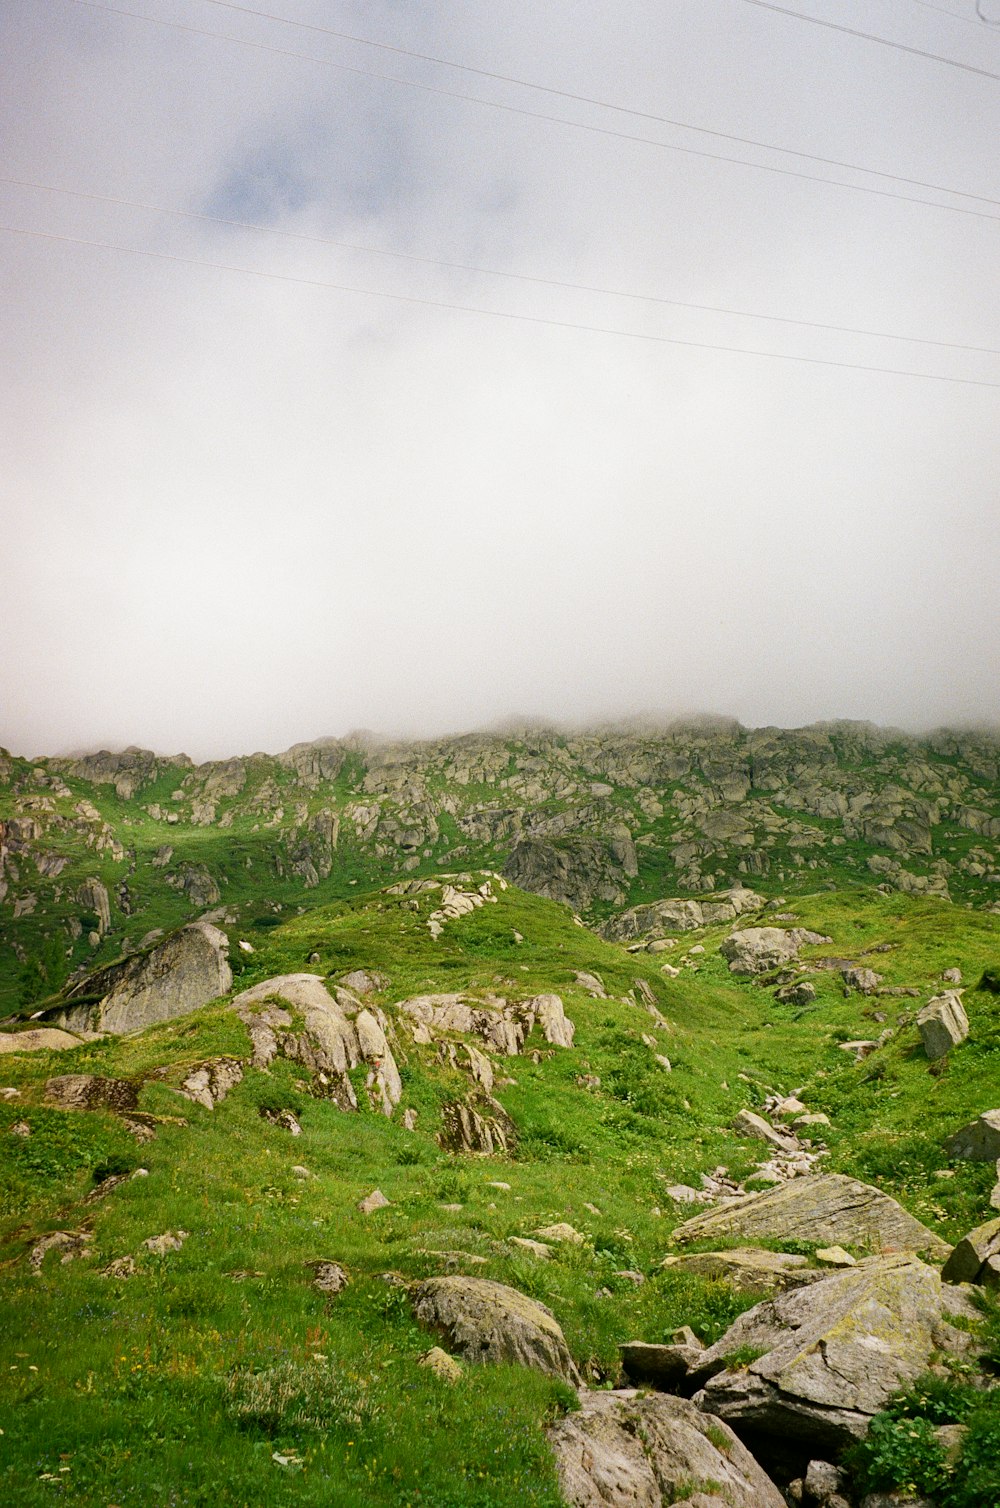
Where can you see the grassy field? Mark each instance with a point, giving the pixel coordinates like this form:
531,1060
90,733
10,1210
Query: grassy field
219,1374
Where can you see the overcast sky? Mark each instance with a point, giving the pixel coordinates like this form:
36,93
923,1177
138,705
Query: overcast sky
238,511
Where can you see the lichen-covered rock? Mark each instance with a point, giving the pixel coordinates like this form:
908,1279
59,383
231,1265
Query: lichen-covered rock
488,1322
88,1091
758,950
830,1355
179,975
829,1208
623,1450
659,917
328,1277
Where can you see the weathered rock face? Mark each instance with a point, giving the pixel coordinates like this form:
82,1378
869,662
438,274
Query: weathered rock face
489,1322
208,1083
94,896
828,1208
976,1258
942,1024
834,1352
758,950
181,974
621,1450
335,1036
661,918
478,1123
503,1026
979,1141
577,871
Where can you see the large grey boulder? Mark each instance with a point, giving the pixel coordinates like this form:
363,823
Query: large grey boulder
828,1208
488,1322
179,975
623,1450
976,1258
88,1091
295,1016
942,1024
979,1141
38,1039
829,1356
758,950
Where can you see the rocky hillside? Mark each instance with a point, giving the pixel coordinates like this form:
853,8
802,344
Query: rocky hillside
436,1197
99,852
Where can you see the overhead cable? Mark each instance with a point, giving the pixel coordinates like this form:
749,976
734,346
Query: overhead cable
519,277
586,99
867,36
530,319
561,120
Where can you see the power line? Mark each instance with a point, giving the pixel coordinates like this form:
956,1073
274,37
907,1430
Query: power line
531,319
519,277
586,99
943,10
562,120
867,36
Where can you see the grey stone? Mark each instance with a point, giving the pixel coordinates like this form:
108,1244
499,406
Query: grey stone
88,1091
208,1083
757,950
822,1480
832,1354
488,1322
747,1123
38,1039
478,1123
750,1269
979,1141
828,1207
663,1367
866,981
177,976
376,1200
624,1450
942,1024
973,1253
328,1277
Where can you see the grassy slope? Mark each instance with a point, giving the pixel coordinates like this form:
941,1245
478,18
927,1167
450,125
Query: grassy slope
175,1387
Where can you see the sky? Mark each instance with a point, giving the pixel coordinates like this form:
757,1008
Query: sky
283,478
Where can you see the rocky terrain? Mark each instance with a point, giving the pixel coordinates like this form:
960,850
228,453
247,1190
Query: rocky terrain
97,852
583,1169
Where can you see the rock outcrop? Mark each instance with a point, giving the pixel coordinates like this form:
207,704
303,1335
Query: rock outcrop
176,976
625,1450
662,918
979,1141
38,1039
758,950
827,1208
976,1258
748,1268
488,1322
295,1015
824,1359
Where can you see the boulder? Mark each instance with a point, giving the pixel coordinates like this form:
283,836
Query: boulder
681,915
478,1123
979,1141
335,1035
758,950
976,1258
328,1277
208,1083
942,1024
488,1322
88,1091
749,1268
662,1367
828,1208
829,1356
865,981
747,1123
179,975
39,1039
623,1450
441,1364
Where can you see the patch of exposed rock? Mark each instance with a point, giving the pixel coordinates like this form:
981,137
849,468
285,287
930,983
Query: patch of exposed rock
88,1091
38,1039
477,1123
976,1258
942,1024
488,1322
296,1017
758,950
502,1026
749,1268
828,1208
179,975
661,918
833,1353
622,1450
208,1083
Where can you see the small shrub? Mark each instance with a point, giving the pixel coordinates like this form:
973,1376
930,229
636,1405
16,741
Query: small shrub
898,1454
